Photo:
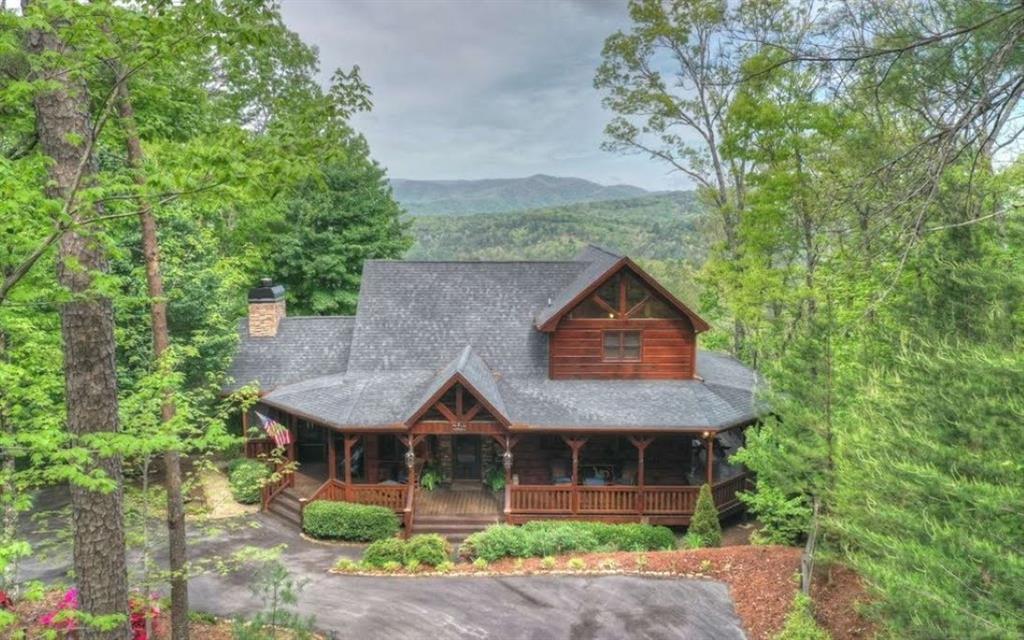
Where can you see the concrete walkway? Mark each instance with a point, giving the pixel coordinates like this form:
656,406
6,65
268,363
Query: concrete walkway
441,608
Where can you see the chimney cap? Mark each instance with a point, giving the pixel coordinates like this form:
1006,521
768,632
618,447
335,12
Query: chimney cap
267,291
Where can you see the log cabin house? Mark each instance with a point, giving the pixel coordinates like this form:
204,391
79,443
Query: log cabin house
578,383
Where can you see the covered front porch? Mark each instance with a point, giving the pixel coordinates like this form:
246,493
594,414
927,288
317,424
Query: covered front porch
610,476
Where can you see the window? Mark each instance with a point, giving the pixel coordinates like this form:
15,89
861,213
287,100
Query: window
622,345
622,296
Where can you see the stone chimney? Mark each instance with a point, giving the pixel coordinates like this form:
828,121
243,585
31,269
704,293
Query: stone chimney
266,308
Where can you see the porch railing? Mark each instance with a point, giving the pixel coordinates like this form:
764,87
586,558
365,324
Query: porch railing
652,500
392,496
276,486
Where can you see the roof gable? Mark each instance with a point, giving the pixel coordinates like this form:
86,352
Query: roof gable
470,371
596,274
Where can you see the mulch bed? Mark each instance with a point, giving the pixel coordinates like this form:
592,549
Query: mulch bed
762,581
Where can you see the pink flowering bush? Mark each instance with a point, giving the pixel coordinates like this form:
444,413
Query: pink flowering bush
63,619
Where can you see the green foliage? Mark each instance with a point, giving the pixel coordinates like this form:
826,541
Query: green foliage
784,520
550,537
348,521
462,197
704,524
278,593
800,623
430,479
385,550
331,225
429,549
576,564
495,479
246,478
659,227
480,564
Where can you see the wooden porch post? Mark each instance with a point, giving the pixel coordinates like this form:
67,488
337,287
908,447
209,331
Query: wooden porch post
349,441
332,456
294,433
575,444
710,439
641,445
245,433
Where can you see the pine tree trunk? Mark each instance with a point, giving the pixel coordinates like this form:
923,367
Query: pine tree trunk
176,543
64,131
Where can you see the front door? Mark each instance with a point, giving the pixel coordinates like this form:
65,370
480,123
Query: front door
467,458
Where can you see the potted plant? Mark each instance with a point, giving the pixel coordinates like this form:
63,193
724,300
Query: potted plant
430,478
495,480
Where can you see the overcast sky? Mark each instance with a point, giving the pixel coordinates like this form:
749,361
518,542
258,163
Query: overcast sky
470,89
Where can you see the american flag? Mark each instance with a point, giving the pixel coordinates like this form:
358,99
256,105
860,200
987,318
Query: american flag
277,431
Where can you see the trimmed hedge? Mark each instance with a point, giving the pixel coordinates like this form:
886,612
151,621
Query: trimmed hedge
427,549
541,538
246,479
348,521
385,551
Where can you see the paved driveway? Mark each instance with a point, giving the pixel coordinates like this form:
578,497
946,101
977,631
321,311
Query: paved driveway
534,608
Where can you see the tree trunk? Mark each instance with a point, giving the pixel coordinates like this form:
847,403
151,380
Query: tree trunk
64,129
176,543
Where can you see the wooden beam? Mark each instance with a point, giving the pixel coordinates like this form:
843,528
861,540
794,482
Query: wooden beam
641,445
604,305
349,441
638,306
575,444
446,412
711,459
332,457
469,415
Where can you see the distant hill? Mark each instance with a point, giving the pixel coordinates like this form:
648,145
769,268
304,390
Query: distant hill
657,227
463,197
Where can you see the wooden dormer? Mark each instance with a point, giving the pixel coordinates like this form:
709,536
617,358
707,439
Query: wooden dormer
623,325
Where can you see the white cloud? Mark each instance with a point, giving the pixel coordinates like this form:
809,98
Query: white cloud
478,89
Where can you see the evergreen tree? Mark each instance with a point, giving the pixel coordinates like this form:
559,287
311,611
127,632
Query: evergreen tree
704,524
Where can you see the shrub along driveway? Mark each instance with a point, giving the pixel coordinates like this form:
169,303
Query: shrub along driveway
439,608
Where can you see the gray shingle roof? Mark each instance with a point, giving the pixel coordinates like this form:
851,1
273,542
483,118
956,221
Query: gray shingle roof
304,347
420,323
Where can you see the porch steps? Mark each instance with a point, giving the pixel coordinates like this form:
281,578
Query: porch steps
454,527
286,507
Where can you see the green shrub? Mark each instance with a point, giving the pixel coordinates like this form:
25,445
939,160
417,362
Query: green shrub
391,566
347,521
705,525
784,520
551,541
499,541
246,479
381,552
643,537
480,564
346,564
412,565
692,541
548,562
429,549
577,564
800,623
543,538
445,567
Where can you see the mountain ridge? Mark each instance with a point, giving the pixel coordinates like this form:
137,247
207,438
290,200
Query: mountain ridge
502,195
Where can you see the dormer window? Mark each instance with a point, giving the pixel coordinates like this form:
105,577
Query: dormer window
623,296
622,346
